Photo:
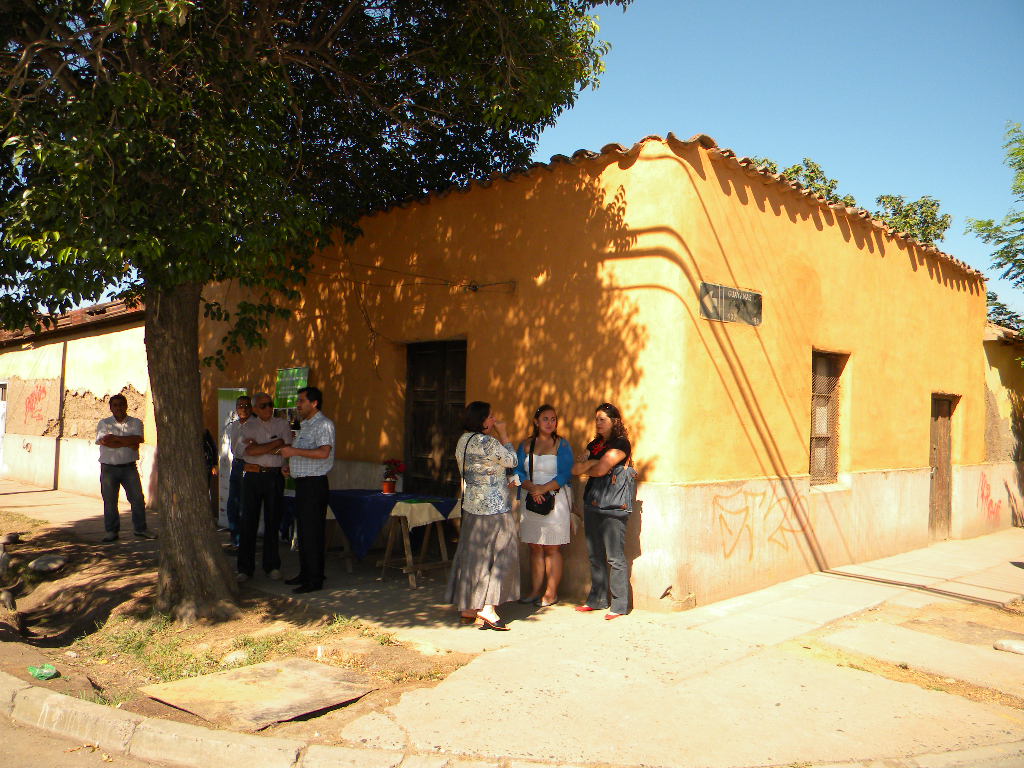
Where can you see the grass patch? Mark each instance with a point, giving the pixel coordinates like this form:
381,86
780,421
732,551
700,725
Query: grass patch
260,649
13,521
101,697
339,623
152,643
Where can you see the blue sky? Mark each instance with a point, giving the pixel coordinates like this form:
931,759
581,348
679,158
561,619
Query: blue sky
902,97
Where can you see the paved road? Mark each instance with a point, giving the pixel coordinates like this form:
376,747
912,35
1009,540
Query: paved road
25,747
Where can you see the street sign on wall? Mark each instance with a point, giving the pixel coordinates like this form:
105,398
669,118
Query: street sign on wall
730,305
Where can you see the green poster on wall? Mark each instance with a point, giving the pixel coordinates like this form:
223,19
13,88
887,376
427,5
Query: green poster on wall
289,382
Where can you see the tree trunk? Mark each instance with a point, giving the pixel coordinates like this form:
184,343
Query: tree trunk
196,580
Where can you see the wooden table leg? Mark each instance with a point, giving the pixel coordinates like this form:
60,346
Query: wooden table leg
410,565
441,541
392,533
423,545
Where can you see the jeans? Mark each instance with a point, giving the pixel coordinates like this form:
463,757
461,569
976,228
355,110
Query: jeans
233,509
606,541
112,479
260,491
310,518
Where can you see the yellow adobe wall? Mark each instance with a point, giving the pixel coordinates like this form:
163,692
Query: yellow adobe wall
556,335
831,282
606,255
100,362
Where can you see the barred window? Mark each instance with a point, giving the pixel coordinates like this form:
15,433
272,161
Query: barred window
826,370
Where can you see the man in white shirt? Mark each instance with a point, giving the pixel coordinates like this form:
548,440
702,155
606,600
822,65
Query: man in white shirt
243,411
119,437
310,459
262,487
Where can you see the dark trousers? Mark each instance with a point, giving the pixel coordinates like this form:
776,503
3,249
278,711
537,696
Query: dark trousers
233,508
310,518
112,480
260,490
606,541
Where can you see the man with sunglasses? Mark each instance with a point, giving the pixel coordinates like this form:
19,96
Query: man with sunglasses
262,487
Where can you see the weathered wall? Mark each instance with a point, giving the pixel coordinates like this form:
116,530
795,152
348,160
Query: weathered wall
578,283
987,497
1004,416
99,363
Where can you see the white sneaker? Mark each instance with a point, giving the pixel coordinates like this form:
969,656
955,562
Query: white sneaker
275,575
242,577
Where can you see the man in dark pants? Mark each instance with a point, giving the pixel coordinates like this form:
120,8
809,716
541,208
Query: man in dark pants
119,437
262,487
310,458
233,508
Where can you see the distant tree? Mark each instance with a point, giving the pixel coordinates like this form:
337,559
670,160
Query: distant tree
919,219
155,146
1000,314
1008,235
811,176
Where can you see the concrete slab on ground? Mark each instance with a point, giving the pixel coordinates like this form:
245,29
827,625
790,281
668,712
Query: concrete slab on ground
252,697
770,707
974,664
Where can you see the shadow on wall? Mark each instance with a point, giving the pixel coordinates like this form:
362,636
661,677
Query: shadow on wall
521,276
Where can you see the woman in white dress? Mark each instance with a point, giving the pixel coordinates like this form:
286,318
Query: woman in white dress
551,458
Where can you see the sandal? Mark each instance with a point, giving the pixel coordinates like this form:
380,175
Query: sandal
488,624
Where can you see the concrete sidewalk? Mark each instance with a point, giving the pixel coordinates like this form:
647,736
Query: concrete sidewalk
738,683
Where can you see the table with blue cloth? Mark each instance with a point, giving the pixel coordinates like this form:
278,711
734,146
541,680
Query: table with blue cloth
363,515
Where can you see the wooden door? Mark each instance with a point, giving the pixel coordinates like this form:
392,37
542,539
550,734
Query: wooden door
940,506
435,402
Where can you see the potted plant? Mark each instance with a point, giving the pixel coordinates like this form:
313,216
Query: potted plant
392,469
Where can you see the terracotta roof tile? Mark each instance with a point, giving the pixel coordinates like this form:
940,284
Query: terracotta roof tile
719,154
108,313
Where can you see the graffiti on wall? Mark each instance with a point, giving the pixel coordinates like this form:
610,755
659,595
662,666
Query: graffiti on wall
992,508
34,403
752,521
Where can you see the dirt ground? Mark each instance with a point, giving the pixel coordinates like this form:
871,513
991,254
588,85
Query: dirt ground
93,621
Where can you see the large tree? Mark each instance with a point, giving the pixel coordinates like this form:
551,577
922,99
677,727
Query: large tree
153,147
1007,236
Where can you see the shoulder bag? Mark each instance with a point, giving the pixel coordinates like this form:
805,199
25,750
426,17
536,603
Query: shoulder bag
612,494
544,507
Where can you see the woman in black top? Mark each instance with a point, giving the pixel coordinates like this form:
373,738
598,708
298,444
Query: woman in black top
606,534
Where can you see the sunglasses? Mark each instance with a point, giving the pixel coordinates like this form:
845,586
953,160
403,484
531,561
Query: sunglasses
261,406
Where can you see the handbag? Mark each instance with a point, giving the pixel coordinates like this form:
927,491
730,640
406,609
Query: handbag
612,494
542,507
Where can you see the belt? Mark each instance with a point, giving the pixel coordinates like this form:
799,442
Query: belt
259,468
128,464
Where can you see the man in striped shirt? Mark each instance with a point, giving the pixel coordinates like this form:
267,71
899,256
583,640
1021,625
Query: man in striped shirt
310,458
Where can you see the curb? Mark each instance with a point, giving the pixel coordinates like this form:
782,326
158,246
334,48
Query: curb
192,746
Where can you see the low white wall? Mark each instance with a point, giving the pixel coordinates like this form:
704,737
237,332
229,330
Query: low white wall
28,459
986,498
694,544
80,468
